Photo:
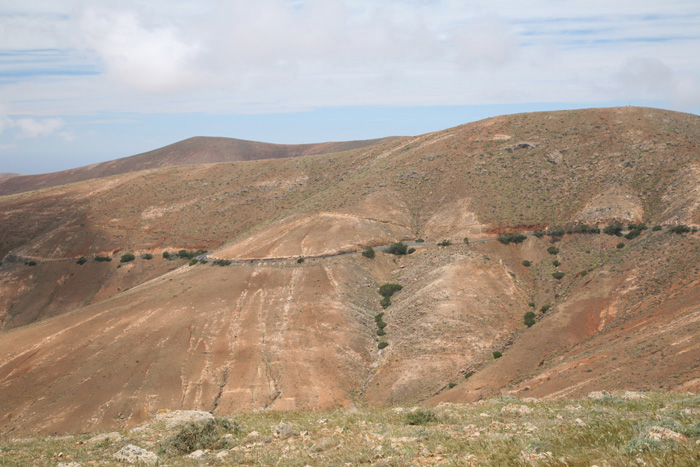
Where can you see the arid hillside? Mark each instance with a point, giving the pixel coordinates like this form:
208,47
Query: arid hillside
294,322
197,150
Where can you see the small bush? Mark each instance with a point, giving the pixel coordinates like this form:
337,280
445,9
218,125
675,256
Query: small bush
389,289
527,264
529,318
497,355
539,233
127,257
556,232
444,243
466,240
300,260
166,255
545,308
382,345
103,259
637,227
620,245
556,263
632,234
398,249
583,273
507,238
381,332
419,240
421,417
558,275
451,385
193,261
585,229
82,260
468,374
203,261
552,250
411,251
147,256
679,229
531,304
30,263
381,324
369,252
385,302
378,317
613,229
183,254
221,262
656,228
201,435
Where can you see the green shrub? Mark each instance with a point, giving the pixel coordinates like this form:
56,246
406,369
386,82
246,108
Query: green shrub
378,316
444,243
421,417
194,436
556,232
545,308
82,260
147,256
531,304
552,250
637,227
193,261
382,345
529,318
539,233
527,264
369,252
468,374
620,245
451,385
166,255
203,261
679,229
221,262
30,263
558,275
385,302
656,228
381,324
556,263
497,355
507,238
583,273
466,240
613,229
183,254
389,289
419,240
127,257
585,229
103,259
300,260
398,248
381,332
632,234
411,250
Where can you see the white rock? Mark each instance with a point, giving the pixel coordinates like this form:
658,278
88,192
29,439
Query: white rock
660,433
133,454
179,417
198,454
283,430
69,464
598,395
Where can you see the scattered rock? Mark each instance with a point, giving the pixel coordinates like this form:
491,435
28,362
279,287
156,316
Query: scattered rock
521,146
555,157
580,422
284,431
133,455
113,437
180,417
253,434
660,433
514,408
598,395
324,445
634,396
69,464
198,454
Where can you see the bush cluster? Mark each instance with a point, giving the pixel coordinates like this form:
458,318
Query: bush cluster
82,260
368,253
127,257
507,238
680,229
421,417
552,250
613,229
444,243
529,318
103,259
201,435
398,248
527,264
221,262
558,275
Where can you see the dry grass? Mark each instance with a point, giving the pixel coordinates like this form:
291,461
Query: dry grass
622,429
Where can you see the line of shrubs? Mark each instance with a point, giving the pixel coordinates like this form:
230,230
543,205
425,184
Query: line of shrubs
386,291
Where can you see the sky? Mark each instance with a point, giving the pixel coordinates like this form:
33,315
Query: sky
87,81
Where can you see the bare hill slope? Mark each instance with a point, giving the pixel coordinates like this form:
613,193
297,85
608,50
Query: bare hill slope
268,332
197,150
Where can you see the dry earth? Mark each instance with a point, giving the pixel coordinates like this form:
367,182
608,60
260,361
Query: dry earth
109,346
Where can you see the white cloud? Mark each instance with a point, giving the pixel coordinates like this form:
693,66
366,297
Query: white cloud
33,128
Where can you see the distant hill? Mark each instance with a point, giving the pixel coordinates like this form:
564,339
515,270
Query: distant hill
197,150
296,323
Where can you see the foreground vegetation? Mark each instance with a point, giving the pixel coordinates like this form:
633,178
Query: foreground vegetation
618,429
